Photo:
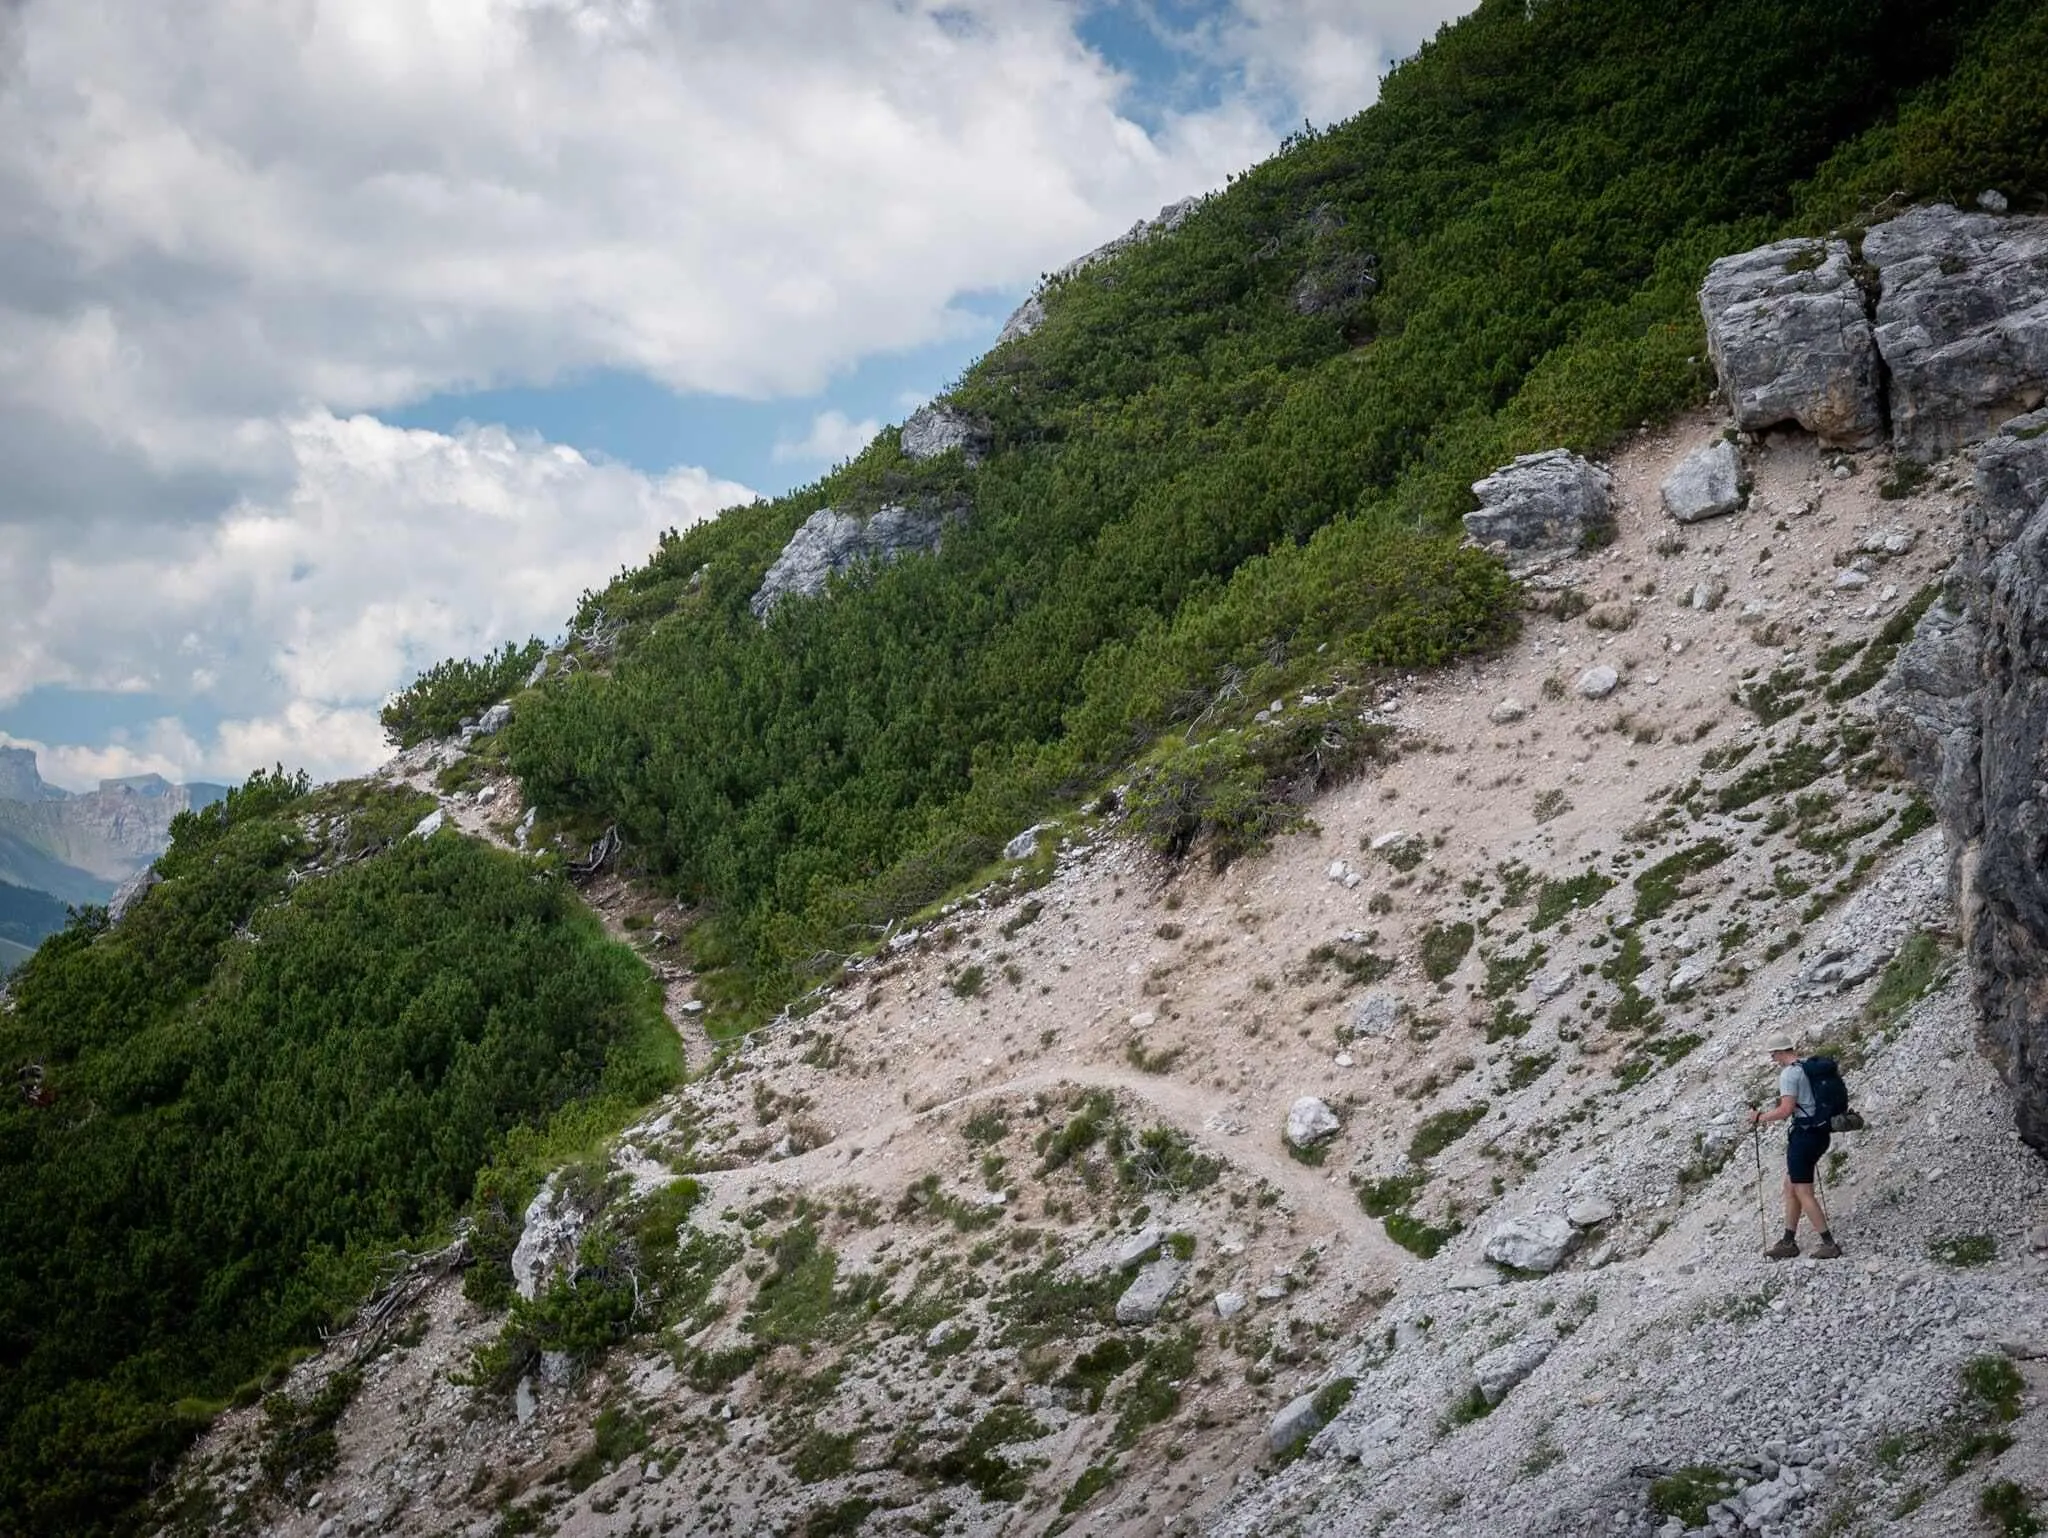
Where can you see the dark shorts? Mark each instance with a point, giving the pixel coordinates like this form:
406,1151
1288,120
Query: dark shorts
1803,1148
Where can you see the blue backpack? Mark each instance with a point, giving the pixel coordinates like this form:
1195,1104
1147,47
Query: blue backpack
1830,1097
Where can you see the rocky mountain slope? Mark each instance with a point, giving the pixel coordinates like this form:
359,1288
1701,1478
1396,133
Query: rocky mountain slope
80,848
76,848
1393,1181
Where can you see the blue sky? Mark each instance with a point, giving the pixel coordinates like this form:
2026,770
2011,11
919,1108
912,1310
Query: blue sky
353,336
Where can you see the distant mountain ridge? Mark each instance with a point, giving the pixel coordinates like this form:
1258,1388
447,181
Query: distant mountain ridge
70,848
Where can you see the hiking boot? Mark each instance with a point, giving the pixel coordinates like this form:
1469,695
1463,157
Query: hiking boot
1785,1249
1827,1250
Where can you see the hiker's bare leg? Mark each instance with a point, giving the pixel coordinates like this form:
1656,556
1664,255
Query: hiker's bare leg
1808,1203
1792,1207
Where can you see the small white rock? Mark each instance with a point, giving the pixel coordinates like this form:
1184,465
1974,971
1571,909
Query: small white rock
1596,683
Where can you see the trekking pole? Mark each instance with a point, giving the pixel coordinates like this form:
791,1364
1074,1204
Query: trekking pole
1763,1216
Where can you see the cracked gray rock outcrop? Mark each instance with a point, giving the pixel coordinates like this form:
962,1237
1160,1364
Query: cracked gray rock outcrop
831,541
939,429
1967,715
1541,507
1941,328
1030,315
1790,338
1962,322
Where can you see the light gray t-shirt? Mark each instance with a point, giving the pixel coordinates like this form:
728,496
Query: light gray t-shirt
1792,1081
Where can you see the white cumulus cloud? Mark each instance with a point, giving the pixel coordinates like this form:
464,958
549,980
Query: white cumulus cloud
388,550
230,229
832,438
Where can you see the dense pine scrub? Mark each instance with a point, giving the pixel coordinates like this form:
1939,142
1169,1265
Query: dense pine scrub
1231,460
260,1088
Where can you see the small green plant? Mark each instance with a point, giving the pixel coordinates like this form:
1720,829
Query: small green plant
1550,805
1963,1250
1658,887
2009,1508
1687,1493
1555,899
1439,1131
1418,1238
1912,974
1443,949
968,981
1905,478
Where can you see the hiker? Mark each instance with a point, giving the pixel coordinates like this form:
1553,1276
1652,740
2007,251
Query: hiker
1805,1141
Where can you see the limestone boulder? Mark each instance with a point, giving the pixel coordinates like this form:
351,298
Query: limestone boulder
1537,1243
1500,1371
940,429
1962,322
1707,483
1148,1292
1296,1422
1310,1122
1790,338
831,541
1542,507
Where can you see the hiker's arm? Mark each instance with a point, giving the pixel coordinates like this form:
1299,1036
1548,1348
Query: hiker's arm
1787,1107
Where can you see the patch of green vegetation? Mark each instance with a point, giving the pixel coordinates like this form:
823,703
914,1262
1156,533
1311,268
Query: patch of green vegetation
1443,949
799,1300
1026,915
1357,961
1963,1249
1657,1052
1162,1158
1905,478
1796,767
1394,1193
1444,1128
1507,974
1877,655
1909,977
1526,1069
616,1436
1468,1407
1098,1367
823,1455
1687,1493
1234,793
1992,1400
978,1461
968,981
1507,1023
437,702
1916,817
1094,1479
283,1082
985,1127
1418,1237
1773,699
1154,1394
1555,899
841,1520
1657,888
1092,1119
299,1447
1049,1303
2009,1508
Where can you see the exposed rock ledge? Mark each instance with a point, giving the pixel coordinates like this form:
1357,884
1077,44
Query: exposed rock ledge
1969,716
831,541
1959,324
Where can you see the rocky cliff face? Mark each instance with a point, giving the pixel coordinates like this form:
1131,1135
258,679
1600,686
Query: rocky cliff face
1970,719
81,847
